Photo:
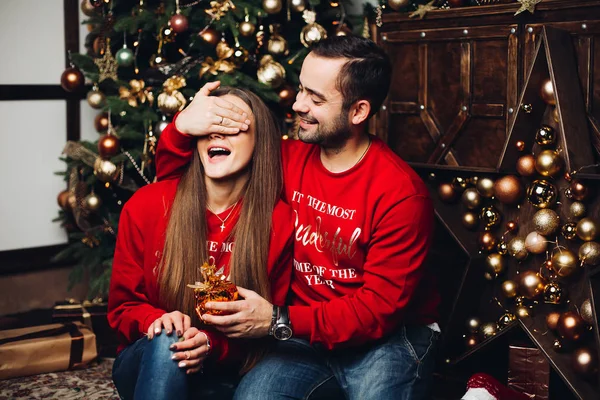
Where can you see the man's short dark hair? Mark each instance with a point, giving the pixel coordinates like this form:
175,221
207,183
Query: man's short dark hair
367,73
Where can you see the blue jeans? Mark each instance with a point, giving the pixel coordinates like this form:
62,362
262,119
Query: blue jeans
399,367
144,370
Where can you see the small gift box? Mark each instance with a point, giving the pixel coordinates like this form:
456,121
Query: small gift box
45,348
215,287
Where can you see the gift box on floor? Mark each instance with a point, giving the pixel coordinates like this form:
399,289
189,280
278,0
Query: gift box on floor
528,371
45,348
93,314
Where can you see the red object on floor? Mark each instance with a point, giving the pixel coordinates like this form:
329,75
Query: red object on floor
494,387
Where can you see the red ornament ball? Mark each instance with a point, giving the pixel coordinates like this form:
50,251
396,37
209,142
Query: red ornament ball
179,23
108,146
72,79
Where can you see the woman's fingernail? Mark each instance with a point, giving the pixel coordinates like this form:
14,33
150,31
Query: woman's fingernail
179,333
244,126
182,364
173,347
157,330
149,337
247,122
174,357
168,332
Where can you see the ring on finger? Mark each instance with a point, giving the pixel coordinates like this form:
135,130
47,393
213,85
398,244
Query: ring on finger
188,355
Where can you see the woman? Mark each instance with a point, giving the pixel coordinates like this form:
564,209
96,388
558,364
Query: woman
229,193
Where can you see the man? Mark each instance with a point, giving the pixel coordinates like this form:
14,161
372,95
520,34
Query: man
362,309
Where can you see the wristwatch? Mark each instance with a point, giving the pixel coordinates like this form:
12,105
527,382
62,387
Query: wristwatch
281,327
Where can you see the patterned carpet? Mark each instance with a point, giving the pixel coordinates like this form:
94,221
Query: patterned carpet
92,383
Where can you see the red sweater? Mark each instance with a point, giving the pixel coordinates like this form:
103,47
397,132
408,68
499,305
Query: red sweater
361,237
133,301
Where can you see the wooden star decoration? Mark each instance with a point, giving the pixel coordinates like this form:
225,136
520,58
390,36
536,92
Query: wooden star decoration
422,10
107,65
478,296
527,5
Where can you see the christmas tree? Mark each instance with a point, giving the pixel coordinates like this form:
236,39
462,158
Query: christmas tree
145,61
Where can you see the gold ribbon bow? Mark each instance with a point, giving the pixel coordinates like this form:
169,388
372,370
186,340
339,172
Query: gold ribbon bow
138,92
222,64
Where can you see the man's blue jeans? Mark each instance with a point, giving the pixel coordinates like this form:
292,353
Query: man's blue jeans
145,370
399,367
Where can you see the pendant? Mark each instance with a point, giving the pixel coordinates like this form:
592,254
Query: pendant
222,226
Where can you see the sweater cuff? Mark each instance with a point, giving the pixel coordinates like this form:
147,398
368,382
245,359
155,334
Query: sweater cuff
181,140
300,318
150,318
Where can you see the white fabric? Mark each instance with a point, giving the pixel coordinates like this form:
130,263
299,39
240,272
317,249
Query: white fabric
478,394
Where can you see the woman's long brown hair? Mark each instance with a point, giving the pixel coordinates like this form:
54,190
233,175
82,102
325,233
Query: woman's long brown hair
185,238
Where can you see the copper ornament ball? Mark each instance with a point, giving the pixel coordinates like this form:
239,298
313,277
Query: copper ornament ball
287,95
545,221
101,122
470,220
531,285
471,341
520,145
108,146
587,229
508,189
179,23
579,190
548,163
552,320
547,92
72,79
398,4
63,199
571,326
509,289
487,241
585,361
512,226
564,262
211,36
589,253
526,165
447,192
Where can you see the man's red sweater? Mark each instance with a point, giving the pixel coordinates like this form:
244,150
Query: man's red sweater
361,238
133,301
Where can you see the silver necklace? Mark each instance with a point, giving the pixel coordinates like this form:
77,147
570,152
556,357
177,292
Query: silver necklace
226,218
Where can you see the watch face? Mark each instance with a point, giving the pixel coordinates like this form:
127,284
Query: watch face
282,332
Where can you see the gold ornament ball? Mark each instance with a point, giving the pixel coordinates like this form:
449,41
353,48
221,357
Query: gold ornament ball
502,247
535,243
545,136
494,265
96,99
531,285
526,165
577,210
546,221
92,202
485,187
63,199
87,8
272,6
473,325
487,241
447,192
246,28
277,45
490,217
522,312
542,194
105,170
552,320
553,293
587,229
589,253
489,329
579,190
509,289
506,319
517,249
511,226
547,92
311,34
557,345
459,183
508,190
297,5
585,362
571,326
170,104
564,262
586,312
569,231
396,5
548,163
270,73
471,198
470,220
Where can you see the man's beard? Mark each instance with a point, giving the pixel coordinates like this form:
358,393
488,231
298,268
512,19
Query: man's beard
333,136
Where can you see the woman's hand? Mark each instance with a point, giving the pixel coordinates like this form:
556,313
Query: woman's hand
209,114
248,318
192,351
171,321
